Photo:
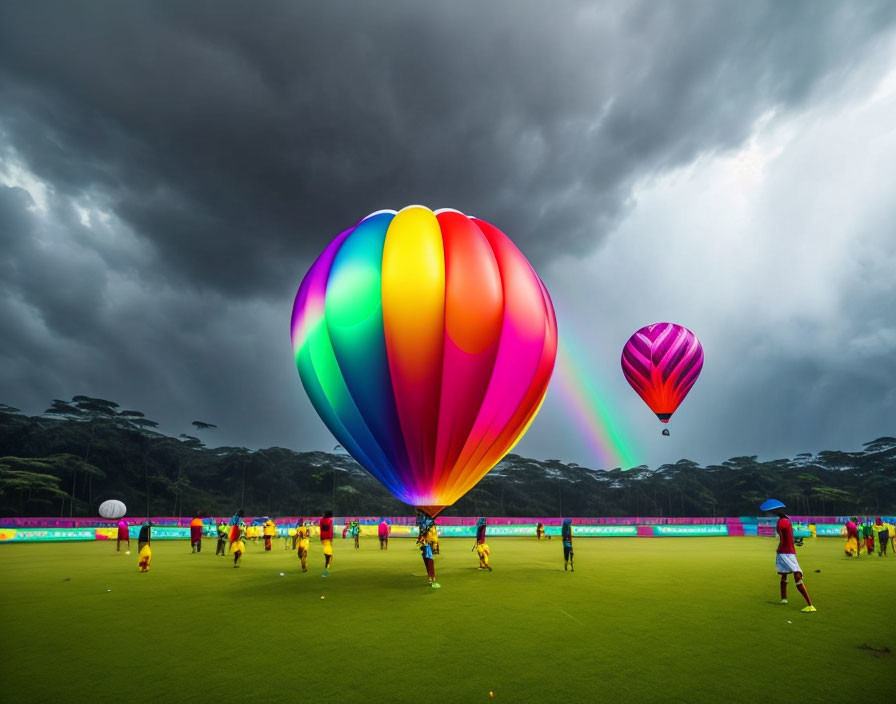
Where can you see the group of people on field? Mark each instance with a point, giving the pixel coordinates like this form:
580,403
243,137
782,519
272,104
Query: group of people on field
862,536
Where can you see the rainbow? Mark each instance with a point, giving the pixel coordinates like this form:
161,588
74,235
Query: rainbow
602,433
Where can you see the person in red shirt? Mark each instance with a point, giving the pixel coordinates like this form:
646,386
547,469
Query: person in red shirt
326,540
785,559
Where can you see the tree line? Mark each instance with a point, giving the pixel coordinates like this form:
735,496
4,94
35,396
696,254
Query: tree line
80,452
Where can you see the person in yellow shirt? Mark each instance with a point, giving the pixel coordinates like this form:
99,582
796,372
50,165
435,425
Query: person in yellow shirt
238,546
144,541
237,537
303,542
481,547
891,529
270,530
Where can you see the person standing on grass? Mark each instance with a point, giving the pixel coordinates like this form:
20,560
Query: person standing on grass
237,530
270,530
481,547
196,533
868,535
383,534
355,530
303,533
539,530
326,540
143,544
222,539
123,534
891,529
426,553
785,559
566,537
238,546
883,536
853,544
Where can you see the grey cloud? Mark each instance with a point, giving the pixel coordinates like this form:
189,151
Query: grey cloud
233,138
229,142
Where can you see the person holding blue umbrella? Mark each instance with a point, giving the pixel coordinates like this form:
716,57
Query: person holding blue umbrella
785,560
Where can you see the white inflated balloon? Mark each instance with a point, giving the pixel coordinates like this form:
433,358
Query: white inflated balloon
113,509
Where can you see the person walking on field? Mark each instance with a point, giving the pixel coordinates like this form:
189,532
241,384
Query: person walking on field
326,540
123,534
355,530
853,542
566,537
196,533
222,539
303,532
383,534
143,544
785,559
428,561
481,547
868,535
270,531
237,532
883,536
891,529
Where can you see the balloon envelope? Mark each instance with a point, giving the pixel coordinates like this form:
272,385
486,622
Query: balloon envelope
425,342
661,362
112,509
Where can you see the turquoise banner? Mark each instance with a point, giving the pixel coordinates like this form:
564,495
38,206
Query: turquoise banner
38,535
689,531
599,531
161,533
830,530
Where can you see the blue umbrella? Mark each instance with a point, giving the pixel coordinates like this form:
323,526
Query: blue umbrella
770,505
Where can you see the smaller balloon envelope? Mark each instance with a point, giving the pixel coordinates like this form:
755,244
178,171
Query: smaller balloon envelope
661,362
112,509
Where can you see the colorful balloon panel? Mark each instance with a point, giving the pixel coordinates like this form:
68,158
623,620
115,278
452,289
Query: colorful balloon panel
425,341
661,362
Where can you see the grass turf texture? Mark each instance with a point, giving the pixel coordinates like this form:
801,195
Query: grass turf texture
665,620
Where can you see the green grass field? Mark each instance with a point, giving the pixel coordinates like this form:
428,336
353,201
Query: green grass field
641,620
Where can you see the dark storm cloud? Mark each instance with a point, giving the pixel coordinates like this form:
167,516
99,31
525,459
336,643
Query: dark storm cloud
196,156
238,139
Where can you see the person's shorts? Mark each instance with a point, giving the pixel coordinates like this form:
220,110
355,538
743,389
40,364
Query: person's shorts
785,562
328,547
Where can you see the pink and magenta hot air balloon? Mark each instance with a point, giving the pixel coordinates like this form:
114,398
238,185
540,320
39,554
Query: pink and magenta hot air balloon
425,342
661,362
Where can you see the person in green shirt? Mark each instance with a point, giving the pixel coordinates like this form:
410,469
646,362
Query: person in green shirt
868,536
355,530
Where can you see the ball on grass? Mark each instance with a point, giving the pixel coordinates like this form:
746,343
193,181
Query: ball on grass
491,695
323,597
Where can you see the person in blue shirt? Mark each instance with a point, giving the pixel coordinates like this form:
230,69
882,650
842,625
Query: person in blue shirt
566,536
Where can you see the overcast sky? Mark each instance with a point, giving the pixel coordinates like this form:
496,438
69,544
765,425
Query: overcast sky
168,172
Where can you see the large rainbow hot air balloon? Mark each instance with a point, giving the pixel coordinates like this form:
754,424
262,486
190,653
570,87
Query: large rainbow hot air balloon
425,342
661,362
